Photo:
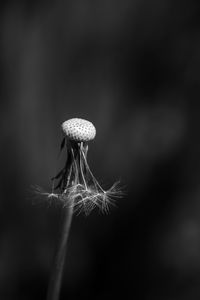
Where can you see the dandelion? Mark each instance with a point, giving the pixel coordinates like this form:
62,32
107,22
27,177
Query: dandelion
77,188
76,183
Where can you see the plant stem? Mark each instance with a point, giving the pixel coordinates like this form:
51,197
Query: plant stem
59,259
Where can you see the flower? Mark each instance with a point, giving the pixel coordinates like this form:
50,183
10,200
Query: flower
76,183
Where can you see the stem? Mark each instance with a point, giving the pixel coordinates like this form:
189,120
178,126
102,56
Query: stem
58,265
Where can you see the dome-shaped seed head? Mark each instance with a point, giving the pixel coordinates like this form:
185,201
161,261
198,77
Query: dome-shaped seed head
79,130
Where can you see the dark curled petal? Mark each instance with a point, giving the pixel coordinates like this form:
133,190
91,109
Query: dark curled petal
59,174
63,174
62,144
59,184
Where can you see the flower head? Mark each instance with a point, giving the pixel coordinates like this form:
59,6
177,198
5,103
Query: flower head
76,184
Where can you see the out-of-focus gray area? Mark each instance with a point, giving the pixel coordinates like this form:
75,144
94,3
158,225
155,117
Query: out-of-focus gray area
132,68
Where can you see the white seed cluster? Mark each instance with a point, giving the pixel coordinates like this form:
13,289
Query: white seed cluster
79,130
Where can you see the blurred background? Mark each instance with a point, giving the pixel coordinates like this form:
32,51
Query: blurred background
132,68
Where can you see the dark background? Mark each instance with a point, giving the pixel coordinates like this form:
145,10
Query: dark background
133,69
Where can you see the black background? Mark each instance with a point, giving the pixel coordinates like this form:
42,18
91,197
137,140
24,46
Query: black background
133,69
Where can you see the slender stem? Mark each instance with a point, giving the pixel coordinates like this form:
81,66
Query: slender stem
57,270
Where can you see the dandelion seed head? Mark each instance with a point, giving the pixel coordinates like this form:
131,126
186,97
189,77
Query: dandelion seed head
76,185
79,130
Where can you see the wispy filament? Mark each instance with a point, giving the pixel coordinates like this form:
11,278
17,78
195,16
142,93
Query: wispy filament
77,185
